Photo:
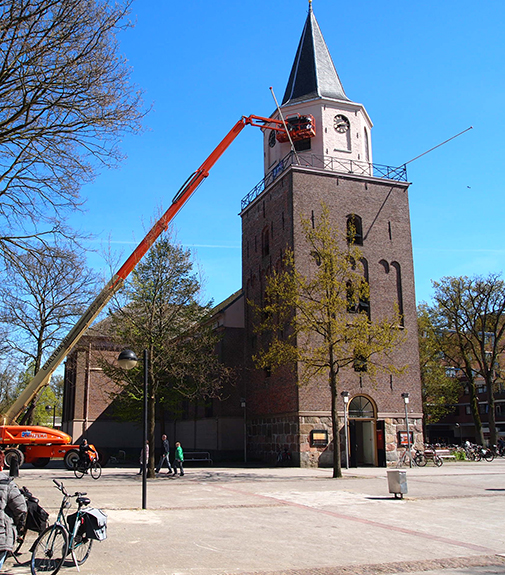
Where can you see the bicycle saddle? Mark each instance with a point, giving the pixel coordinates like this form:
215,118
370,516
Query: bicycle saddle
83,501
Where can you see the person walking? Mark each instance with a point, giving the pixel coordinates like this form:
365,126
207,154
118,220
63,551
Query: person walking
179,458
13,512
165,446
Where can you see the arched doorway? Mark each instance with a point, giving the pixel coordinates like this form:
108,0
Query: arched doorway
362,417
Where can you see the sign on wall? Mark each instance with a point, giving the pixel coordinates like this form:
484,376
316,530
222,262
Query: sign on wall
402,438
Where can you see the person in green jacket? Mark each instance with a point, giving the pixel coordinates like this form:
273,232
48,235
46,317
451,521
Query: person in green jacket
179,458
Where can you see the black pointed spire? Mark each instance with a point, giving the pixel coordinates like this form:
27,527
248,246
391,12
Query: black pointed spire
313,74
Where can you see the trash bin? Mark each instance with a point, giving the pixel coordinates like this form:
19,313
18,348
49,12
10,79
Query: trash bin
397,482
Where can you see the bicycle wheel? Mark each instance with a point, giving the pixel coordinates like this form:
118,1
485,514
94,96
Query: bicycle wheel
437,460
420,460
489,455
50,550
79,472
81,546
95,470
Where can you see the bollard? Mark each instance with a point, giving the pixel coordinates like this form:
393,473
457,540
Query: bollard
14,467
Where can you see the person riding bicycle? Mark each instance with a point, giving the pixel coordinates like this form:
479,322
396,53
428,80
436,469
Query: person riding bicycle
13,512
85,451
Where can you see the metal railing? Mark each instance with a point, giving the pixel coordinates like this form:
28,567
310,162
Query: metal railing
330,163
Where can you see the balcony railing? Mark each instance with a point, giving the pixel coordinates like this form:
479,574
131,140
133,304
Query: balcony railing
326,163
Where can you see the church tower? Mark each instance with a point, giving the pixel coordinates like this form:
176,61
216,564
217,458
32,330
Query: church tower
315,88
333,168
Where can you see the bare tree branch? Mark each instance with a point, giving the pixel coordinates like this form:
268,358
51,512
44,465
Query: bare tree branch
66,102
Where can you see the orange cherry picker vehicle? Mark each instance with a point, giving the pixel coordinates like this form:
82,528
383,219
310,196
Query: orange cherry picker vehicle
36,444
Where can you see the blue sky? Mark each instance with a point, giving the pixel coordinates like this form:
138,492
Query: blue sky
424,71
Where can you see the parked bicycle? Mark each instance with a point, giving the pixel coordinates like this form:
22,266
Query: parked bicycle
484,453
407,459
478,452
70,535
429,454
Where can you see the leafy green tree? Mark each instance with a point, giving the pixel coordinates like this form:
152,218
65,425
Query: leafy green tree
318,323
12,384
162,313
469,319
440,392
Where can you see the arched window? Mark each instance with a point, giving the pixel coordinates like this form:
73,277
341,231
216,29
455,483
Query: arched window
265,242
399,290
354,230
385,265
367,146
355,305
364,263
361,408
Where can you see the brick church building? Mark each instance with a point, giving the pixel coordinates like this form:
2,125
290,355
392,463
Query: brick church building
266,412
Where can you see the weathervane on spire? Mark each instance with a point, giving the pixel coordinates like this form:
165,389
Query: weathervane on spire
310,5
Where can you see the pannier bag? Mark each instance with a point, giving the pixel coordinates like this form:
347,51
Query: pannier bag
37,518
95,523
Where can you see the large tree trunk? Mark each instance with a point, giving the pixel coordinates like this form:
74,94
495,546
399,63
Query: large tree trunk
474,407
491,411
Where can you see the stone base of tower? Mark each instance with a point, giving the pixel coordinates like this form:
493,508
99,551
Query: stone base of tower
270,436
371,443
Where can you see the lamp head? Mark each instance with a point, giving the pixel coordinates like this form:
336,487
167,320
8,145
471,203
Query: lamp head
345,396
405,397
127,359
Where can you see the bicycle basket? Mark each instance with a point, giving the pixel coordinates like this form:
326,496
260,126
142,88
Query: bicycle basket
95,521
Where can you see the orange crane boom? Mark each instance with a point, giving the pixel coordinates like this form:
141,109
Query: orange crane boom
299,127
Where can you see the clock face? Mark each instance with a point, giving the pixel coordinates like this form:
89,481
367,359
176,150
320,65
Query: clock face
341,124
271,138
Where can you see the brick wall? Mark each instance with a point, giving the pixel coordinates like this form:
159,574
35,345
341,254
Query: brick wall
275,215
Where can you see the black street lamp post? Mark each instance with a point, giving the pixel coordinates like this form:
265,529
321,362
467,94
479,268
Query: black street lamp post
345,397
406,401
127,360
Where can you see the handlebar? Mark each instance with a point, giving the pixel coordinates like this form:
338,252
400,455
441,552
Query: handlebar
61,487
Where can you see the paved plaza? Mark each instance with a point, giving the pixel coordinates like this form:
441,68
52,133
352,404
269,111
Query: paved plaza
245,520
